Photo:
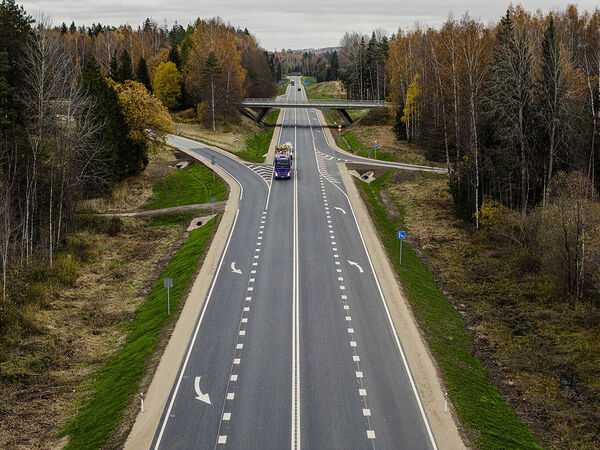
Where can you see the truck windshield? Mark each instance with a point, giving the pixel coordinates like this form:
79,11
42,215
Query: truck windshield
282,163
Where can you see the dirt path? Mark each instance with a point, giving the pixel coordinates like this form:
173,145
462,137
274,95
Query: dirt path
218,206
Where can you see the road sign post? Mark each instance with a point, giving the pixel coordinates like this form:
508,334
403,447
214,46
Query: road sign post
369,153
212,161
168,283
401,237
212,205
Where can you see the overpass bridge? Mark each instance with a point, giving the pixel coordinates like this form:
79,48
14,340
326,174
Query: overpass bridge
263,105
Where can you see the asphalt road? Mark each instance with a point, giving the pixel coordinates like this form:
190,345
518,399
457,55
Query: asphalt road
294,347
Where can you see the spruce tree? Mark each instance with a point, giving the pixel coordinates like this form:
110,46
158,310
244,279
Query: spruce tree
174,57
125,67
114,67
72,28
142,75
124,157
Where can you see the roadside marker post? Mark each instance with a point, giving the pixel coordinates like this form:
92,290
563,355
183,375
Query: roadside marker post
369,153
446,402
375,147
168,283
212,205
401,237
339,128
142,399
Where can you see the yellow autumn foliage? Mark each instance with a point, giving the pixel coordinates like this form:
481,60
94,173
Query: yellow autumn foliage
145,115
167,84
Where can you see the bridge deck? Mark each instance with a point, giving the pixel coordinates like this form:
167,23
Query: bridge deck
333,104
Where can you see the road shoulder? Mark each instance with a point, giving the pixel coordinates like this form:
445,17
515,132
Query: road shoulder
155,399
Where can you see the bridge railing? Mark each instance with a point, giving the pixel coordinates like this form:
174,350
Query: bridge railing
340,102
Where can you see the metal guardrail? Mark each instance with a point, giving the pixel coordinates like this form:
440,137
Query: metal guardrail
339,103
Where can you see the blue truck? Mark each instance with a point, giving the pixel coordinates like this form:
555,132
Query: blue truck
283,161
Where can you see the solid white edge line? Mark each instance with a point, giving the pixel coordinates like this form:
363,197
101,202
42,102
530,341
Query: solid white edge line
166,418
389,316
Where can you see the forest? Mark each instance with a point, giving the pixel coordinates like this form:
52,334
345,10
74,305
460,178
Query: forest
512,110
81,107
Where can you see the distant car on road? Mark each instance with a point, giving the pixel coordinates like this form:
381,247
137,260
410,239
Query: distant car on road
292,83
299,89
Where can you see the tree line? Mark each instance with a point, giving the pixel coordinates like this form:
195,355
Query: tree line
512,109
79,110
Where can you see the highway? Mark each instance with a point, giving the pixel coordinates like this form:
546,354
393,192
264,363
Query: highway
294,347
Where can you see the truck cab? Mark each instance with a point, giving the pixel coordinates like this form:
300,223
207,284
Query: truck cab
282,166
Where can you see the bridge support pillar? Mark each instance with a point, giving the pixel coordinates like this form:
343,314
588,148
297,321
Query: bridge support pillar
261,115
345,116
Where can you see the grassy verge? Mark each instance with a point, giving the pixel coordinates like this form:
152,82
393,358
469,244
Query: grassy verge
189,186
475,398
257,146
352,144
282,87
117,381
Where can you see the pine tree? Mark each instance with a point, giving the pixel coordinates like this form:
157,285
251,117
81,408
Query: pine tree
72,28
142,75
174,57
125,68
334,64
63,28
211,73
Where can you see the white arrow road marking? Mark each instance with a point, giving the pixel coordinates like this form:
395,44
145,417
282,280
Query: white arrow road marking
234,270
337,207
199,395
352,263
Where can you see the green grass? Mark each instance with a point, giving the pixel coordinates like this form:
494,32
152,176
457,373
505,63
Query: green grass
257,146
190,186
282,87
311,92
117,381
356,144
169,220
271,117
475,398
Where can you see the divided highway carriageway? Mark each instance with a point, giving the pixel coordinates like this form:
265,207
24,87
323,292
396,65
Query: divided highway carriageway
295,347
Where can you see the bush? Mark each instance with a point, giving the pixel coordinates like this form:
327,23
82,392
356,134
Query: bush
113,227
66,269
377,116
98,224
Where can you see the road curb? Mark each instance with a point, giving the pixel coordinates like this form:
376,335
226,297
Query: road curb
155,400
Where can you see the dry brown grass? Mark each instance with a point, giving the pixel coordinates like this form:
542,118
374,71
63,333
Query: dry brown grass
46,370
543,356
223,137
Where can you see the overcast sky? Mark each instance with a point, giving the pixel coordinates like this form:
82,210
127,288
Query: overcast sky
285,24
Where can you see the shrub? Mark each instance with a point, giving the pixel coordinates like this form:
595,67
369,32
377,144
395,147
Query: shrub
66,269
113,227
377,116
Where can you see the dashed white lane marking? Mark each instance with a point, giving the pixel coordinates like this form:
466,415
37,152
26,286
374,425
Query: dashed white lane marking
230,395
248,299
245,320
242,333
362,392
366,412
346,307
356,358
348,318
350,330
352,343
233,378
227,416
252,280
222,439
239,346
236,361
250,288
370,434
339,270
359,374
343,288
340,278
246,308
344,297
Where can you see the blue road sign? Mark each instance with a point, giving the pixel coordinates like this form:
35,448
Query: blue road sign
375,146
401,234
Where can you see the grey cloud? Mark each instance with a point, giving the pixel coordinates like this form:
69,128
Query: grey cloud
277,24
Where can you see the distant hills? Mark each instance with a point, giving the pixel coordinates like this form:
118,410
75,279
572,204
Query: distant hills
317,51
